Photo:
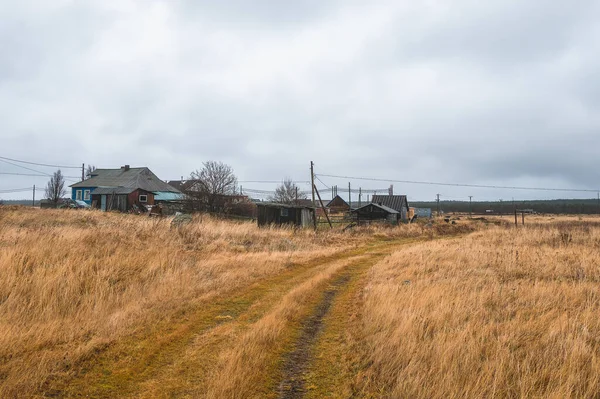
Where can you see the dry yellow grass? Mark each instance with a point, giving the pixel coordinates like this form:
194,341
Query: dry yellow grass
500,313
109,305
73,282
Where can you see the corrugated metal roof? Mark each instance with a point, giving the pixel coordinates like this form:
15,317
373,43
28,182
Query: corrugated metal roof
167,196
383,207
113,190
132,178
396,202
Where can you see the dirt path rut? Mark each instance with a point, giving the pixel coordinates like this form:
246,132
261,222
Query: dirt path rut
297,362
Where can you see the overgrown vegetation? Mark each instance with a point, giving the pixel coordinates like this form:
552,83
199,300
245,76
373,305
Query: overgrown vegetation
74,282
500,313
99,304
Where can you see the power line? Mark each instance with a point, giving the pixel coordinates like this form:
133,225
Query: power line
22,174
15,190
37,175
317,177
462,185
41,164
24,167
270,181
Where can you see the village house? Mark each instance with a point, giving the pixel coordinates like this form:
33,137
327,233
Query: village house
198,200
122,189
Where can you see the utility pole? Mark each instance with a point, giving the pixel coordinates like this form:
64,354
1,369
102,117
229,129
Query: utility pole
33,203
82,172
296,195
312,181
501,207
438,204
359,196
470,206
323,207
349,196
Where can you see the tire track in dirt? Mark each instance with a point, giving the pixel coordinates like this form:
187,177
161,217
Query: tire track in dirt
124,367
297,362
300,377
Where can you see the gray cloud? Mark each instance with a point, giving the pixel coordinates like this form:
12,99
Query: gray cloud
491,93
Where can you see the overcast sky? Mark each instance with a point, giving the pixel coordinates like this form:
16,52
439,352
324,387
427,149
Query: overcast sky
484,92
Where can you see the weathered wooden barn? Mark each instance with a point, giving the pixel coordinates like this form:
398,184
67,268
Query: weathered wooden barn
398,203
337,205
280,214
373,212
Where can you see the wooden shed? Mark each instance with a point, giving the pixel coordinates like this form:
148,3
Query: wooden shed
373,212
280,214
337,205
399,203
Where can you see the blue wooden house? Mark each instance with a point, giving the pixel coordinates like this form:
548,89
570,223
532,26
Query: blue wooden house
121,189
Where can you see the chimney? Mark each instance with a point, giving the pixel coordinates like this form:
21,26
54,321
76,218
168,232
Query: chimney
125,168
391,189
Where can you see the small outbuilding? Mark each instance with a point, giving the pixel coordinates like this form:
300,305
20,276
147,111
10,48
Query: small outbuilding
280,214
373,212
398,203
337,205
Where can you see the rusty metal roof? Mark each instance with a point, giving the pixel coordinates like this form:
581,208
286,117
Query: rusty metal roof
396,202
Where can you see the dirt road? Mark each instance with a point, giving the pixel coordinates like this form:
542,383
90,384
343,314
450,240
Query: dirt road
287,336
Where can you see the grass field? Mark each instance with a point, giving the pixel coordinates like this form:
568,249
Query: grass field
107,305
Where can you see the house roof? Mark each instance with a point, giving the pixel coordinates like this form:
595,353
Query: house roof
177,184
337,201
382,207
126,177
396,202
113,190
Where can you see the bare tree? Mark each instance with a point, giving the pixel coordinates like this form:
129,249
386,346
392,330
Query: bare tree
55,189
287,192
89,170
208,187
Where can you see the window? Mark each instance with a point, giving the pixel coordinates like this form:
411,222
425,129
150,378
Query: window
78,195
86,195
284,212
143,198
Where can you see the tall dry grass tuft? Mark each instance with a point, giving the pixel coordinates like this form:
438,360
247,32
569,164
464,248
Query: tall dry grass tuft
500,313
74,282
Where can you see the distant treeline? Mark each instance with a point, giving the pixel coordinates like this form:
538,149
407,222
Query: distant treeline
560,206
